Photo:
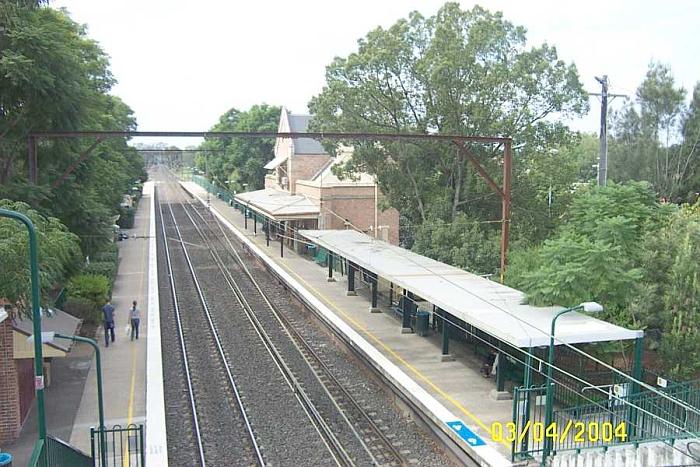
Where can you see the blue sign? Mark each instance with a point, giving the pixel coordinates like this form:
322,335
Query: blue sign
465,433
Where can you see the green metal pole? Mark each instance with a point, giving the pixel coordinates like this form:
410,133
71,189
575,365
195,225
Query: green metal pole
637,376
100,400
527,382
549,404
36,317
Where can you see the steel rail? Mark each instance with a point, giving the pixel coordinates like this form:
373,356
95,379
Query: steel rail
291,329
306,347
217,341
340,456
181,337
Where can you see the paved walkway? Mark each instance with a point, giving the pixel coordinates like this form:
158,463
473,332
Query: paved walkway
124,361
458,384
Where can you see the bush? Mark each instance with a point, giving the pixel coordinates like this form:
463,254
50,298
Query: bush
102,268
126,218
84,309
94,288
110,253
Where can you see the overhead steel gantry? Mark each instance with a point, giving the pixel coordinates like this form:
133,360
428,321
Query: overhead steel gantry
460,142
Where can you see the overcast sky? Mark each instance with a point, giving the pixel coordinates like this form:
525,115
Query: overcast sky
180,64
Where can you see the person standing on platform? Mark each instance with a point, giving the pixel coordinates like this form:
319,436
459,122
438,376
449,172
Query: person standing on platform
108,316
135,317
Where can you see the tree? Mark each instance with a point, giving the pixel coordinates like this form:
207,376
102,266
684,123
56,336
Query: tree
655,138
458,72
240,161
59,254
595,255
53,77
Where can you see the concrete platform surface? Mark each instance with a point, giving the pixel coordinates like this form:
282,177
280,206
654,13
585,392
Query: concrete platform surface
124,361
457,385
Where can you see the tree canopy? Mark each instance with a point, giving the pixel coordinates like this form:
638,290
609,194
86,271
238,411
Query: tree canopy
53,77
59,254
240,161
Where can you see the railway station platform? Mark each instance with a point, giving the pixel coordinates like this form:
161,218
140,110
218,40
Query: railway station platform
452,394
71,400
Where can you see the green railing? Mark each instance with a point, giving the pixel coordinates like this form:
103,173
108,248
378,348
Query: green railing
632,419
124,446
53,452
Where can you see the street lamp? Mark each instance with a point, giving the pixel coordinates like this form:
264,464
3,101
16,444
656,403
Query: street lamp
588,307
47,338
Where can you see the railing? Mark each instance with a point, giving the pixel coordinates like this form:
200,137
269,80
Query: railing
53,452
123,446
632,419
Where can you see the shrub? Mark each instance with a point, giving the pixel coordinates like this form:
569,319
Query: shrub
94,288
126,218
84,309
110,253
103,268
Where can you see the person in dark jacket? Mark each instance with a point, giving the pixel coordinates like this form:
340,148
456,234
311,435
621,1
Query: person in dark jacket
488,364
108,318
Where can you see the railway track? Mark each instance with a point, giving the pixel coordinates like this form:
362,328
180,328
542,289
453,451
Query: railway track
221,410
303,405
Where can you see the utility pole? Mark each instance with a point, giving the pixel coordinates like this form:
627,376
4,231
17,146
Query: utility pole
603,157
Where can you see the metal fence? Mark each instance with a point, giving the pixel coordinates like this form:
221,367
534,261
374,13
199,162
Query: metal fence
53,452
118,446
634,418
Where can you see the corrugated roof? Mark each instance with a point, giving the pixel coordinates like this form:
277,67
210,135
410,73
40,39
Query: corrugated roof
280,204
488,305
300,124
56,321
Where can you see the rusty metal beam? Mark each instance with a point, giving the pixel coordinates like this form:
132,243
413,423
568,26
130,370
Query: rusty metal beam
32,160
267,134
480,169
505,227
75,164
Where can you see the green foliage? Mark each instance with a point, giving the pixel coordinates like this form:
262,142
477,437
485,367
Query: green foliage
668,298
240,161
596,253
126,217
463,243
458,72
53,77
110,253
59,254
94,288
655,137
102,268
84,309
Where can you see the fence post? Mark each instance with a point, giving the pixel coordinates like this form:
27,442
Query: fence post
141,446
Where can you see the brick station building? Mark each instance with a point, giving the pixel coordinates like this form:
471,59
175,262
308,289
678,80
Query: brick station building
302,191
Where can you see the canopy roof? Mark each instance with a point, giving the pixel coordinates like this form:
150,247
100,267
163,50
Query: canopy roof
485,304
279,205
53,320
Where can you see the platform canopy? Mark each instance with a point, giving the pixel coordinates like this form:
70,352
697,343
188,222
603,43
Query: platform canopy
483,303
279,205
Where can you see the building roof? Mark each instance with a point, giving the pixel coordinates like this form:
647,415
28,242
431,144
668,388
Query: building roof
326,177
308,146
280,205
492,307
55,321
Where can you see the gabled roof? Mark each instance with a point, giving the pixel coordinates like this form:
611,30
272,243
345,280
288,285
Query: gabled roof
307,146
326,177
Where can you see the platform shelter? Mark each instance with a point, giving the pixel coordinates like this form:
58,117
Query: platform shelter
460,303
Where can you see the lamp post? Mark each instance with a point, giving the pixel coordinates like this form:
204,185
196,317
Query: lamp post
589,307
48,337
36,316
